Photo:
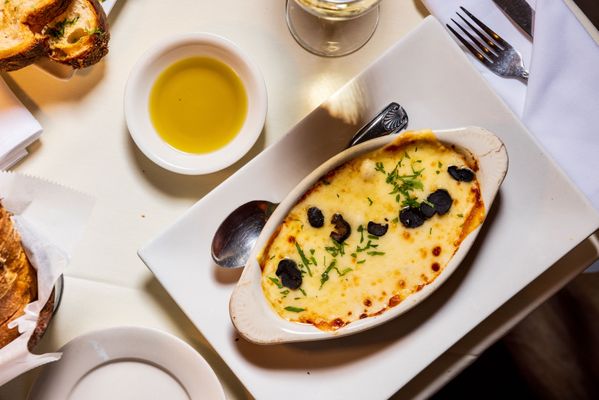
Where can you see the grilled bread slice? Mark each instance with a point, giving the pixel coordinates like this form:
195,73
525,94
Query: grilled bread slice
79,37
18,278
21,23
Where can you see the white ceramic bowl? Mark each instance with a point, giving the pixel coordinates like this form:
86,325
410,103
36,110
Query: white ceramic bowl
160,57
252,315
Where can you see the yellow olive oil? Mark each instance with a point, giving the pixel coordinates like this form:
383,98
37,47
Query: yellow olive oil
198,105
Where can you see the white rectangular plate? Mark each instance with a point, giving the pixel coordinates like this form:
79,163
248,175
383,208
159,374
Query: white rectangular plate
537,217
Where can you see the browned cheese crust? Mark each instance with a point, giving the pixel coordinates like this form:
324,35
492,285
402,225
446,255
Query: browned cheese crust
367,275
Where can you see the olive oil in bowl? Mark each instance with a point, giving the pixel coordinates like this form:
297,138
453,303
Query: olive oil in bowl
198,105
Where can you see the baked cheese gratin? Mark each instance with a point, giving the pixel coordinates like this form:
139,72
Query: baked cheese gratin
372,232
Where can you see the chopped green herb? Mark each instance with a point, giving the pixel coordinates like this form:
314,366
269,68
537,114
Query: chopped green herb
461,215
324,277
285,293
361,262
276,282
336,249
305,261
373,237
369,201
303,291
428,203
395,220
57,30
368,245
403,185
439,164
361,230
376,253
294,309
430,231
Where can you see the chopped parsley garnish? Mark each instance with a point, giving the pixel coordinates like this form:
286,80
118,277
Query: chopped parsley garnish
305,260
294,309
375,253
403,185
336,249
276,282
369,201
324,277
361,262
368,245
57,30
361,230
303,292
461,215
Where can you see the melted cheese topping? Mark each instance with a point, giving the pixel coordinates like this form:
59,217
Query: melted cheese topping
366,275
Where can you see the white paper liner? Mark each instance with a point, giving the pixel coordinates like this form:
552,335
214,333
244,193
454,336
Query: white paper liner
50,218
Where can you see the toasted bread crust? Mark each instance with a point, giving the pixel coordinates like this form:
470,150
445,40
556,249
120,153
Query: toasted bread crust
18,278
46,13
94,46
23,58
42,33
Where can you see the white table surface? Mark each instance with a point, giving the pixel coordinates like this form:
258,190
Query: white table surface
85,145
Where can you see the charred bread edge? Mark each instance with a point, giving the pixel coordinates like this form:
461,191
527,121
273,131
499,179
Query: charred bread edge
98,47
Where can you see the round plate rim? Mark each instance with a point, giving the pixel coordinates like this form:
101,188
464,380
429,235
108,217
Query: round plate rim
58,380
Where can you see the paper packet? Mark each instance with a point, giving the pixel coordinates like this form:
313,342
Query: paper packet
50,218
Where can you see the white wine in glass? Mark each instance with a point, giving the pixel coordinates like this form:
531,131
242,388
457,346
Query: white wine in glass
332,28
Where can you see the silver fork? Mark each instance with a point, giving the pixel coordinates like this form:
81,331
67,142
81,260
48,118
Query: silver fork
497,54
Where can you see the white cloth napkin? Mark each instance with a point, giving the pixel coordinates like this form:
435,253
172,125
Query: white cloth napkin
18,128
560,105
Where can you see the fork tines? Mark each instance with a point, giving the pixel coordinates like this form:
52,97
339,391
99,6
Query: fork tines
486,45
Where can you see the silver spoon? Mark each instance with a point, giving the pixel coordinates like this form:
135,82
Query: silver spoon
235,237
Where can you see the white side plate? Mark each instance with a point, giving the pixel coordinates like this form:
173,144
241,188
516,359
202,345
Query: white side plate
127,363
252,315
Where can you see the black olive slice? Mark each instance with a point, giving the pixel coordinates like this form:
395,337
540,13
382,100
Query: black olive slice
441,199
342,228
289,273
377,229
427,210
460,174
411,217
315,217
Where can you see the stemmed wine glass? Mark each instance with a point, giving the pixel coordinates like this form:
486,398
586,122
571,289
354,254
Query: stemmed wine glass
332,28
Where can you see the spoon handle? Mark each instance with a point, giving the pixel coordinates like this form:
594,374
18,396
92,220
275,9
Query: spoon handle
392,119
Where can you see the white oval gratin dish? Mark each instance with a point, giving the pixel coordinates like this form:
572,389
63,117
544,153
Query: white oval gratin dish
250,312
